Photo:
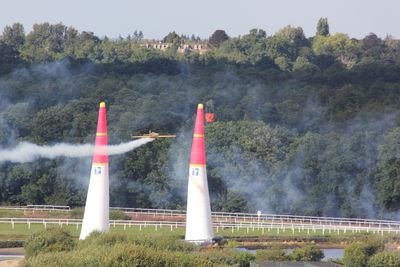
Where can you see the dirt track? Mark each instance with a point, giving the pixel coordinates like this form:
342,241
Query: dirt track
10,263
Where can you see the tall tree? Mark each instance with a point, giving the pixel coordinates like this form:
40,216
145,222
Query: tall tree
172,37
323,27
218,37
14,35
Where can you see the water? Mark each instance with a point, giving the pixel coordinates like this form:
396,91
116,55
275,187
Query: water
10,256
330,253
333,253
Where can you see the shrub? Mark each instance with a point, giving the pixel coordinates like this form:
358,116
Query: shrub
118,255
220,256
357,255
223,257
120,249
307,253
244,258
161,242
273,254
53,239
385,259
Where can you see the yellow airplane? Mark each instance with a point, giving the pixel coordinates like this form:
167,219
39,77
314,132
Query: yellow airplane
154,135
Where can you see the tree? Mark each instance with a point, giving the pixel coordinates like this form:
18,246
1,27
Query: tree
338,45
9,57
388,177
285,46
14,35
173,38
45,43
293,35
218,37
372,46
137,36
71,42
323,27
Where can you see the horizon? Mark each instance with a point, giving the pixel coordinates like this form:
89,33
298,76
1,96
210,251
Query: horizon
121,18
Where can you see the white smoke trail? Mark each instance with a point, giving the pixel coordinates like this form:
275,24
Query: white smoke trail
27,152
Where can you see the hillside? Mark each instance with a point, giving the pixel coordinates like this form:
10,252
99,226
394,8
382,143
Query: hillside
303,125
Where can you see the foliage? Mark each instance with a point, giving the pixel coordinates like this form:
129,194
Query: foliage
299,119
384,259
51,240
117,255
170,243
358,254
244,258
228,257
273,254
307,253
126,250
218,37
323,27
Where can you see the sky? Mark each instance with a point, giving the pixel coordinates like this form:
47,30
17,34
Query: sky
156,18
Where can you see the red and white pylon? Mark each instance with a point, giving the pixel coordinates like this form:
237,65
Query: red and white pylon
198,214
96,216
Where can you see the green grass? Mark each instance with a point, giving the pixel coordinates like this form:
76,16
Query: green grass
22,231
255,232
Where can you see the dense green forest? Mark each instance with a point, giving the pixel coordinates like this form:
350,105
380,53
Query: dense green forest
304,125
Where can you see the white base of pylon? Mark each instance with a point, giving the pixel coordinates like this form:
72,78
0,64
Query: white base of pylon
96,217
198,215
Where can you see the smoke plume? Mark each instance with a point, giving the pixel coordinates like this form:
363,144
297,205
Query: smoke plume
27,152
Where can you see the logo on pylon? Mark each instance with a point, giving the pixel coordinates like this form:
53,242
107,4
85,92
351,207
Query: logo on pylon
195,171
97,170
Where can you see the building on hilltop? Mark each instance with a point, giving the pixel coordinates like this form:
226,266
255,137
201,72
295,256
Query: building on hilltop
183,48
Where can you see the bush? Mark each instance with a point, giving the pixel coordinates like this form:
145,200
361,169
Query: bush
53,239
385,259
227,256
169,243
357,255
273,254
244,258
118,255
120,249
307,253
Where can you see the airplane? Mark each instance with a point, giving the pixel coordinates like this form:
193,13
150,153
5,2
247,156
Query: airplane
154,135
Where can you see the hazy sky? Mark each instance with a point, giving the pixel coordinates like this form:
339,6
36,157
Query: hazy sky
158,17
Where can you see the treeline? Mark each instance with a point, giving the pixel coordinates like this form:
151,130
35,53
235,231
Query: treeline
304,125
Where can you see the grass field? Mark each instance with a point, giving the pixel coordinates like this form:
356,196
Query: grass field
22,231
